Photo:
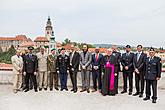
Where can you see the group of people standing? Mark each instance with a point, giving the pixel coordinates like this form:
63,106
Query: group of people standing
42,71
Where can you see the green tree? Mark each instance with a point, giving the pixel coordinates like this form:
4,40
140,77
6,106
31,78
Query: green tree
5,57
66,41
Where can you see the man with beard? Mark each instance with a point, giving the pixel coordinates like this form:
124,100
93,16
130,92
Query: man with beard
85,64
96,69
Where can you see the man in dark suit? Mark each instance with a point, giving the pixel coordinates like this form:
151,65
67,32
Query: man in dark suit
63,68
152,74
30,69
138,64
74,67
127,63
117,66
96,69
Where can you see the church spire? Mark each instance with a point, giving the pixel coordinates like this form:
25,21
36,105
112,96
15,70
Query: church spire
48,29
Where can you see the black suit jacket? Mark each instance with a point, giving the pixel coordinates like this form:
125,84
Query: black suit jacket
140,63
75,60
127,61
152,68
94,62
118,58
30,64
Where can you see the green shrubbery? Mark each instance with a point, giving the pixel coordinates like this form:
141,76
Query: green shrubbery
5,57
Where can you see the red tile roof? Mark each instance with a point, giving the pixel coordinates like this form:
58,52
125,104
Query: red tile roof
27,43
102,50
21,37
18,37
41,39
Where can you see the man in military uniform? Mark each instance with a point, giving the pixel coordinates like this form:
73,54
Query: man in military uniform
30,69
152,74
127,63
42,69
117,66
63,68
53,76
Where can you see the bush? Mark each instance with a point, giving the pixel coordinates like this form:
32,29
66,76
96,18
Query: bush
5,57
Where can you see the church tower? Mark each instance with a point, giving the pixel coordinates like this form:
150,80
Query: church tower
48,29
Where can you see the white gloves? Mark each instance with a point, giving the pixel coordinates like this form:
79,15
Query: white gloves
24,73
83,67
96,67
72,69
35,73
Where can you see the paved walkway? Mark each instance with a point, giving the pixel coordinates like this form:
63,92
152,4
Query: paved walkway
56,100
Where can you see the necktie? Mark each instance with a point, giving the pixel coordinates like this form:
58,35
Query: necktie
30,56
97,56
138,56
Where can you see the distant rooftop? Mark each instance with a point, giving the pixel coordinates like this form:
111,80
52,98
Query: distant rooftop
41,39
18,37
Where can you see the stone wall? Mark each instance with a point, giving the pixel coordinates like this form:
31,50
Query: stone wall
6,77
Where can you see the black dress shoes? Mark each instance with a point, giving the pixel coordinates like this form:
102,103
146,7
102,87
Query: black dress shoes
82,90
130,93
56,88
40,89
153,101
123,92
88,91
74,91
26,90
146,98
136,94
141,95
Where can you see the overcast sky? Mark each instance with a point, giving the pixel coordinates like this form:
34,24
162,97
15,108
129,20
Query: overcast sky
93,21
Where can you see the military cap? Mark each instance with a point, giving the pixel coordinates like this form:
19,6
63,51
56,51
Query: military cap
30,48
53,49
128,46
152,49
62,48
